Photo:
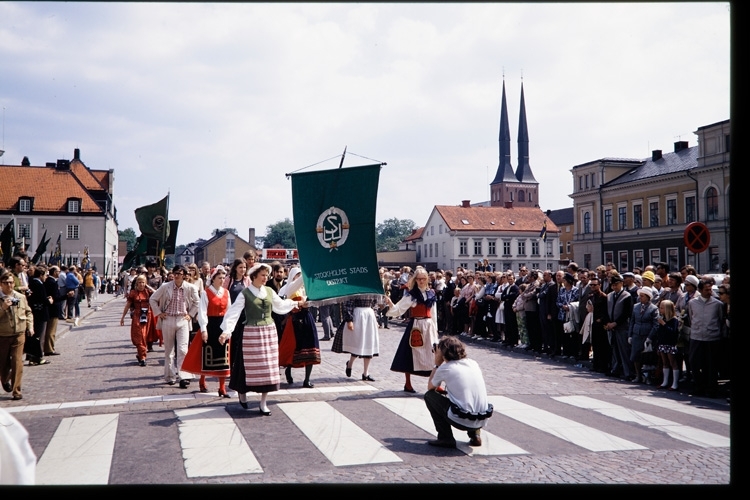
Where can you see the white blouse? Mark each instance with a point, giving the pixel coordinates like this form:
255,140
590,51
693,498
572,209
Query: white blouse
278,305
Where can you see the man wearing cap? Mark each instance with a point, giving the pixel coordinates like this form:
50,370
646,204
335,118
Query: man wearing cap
629,285
619,310
643,324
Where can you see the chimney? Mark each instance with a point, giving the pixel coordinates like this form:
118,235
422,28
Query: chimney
508,204
465,203
656,155
25,162
51,164
251,236
77,154
63,165
680,145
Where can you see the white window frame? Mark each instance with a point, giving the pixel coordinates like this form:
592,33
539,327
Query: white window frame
72,232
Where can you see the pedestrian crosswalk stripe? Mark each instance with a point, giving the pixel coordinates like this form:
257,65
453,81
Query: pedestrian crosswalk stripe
719,416
415,411
348,388
212,444
561,427
684,433
339,439
80,451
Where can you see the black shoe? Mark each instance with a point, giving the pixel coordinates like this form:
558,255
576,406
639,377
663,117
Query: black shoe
325,338
289,379
7,387
409,389
243,403
184,384
265,413
368,378
475,440
307,384
142,362
172,382
443,443
348,370
52,353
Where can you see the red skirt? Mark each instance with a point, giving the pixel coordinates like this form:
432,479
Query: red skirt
197,355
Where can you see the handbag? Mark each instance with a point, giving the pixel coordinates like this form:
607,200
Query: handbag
415,338
569,327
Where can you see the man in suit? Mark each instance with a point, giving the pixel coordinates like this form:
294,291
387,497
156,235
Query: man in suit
175,303
619,310
548,310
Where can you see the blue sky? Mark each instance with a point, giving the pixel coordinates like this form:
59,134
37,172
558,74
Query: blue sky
215,103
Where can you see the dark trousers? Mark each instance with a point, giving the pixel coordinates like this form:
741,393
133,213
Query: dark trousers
703,360
534,327
438,406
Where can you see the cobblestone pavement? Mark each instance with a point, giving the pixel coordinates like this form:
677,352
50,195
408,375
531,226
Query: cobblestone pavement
97,374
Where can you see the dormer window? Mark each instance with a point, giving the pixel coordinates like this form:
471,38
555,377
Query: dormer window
74,205
24,204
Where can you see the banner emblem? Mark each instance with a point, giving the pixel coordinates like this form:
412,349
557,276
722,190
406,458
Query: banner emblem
332,228
158,223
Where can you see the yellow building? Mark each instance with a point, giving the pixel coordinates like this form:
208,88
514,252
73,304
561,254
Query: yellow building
634,212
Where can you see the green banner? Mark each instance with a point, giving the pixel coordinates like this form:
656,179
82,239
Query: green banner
334,225
152,219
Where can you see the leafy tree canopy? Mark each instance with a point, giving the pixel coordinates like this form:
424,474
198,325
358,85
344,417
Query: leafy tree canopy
282,233
129,236
391,232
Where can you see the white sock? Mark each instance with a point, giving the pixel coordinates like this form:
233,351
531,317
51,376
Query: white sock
665,382
676,376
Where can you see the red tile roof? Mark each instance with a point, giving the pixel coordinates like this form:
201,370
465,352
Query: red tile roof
495,219
415,234
49,187
85,175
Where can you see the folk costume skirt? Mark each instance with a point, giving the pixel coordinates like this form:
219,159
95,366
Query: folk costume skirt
363,341
299,344
415,352
257,360
210,358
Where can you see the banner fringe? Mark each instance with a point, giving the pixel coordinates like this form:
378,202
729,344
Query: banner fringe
342,299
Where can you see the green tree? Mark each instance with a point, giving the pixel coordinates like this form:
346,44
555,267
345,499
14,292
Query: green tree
391,232
281,232
129,236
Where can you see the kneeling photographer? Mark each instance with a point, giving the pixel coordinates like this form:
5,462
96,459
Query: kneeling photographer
457,396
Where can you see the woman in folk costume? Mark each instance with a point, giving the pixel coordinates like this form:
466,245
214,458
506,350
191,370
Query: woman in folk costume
259,353
236,281
415,353
206,356
299,346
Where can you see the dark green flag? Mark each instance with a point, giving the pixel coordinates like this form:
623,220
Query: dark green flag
334,225
171,243
8,241
41,248
152,220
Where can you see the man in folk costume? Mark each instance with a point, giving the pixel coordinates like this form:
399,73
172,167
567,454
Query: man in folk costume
175,303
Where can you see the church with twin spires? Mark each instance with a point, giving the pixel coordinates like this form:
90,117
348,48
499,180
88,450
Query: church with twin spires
520,189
